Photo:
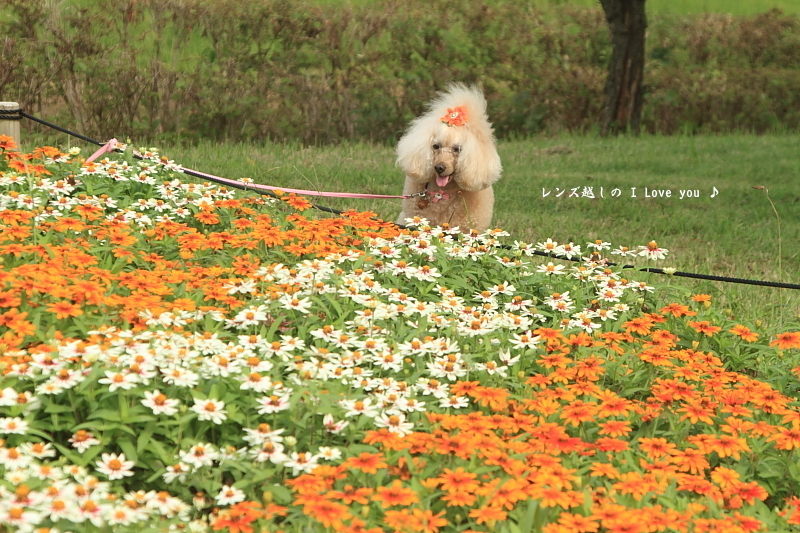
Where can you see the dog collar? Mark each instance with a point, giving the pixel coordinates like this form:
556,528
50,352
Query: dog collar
435,196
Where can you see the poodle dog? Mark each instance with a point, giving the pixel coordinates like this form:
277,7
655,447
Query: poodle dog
450,161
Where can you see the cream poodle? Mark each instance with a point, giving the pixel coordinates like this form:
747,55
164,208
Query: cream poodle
450,161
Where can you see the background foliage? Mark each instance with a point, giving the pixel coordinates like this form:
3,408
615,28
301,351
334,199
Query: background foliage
321,72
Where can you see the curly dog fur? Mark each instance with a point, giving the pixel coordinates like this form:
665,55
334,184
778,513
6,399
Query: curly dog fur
449,153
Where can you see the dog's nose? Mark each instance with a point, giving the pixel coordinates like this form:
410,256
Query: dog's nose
439,168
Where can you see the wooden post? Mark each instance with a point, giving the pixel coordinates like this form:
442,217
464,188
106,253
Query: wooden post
9,121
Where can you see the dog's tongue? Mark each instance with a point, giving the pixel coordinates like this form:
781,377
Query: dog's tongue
441,181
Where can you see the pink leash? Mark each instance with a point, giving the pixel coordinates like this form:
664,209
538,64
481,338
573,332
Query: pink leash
111,145
306,192
107,147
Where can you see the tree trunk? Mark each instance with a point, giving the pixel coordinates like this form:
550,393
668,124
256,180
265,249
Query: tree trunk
624,89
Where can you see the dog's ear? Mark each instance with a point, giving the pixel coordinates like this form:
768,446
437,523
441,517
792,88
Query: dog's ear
414,153
478,163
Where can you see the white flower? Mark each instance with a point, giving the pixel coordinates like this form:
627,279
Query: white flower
432,387
492,368
506,359
250,316
551,269
301,462
229,495
273,403
332,425
83,440
396,423
8,397
15,425
114,466
359,407
454,402
329,454
19,517
177,471
201,454
210,409
548,246
180,377
569,250
13,459
269,451
290,301
39,450
160,404
652,251
599,245
263,433
122,515
118,380
256,382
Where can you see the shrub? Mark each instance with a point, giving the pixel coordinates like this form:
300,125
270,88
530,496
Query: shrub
325,73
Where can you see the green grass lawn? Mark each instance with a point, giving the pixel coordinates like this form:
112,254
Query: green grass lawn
737,233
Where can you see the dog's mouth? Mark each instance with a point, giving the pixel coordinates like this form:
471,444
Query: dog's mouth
442,181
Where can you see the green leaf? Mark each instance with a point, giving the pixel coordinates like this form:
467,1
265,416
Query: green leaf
128,448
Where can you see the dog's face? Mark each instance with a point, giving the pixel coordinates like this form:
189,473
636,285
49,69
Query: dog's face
445,161
451,145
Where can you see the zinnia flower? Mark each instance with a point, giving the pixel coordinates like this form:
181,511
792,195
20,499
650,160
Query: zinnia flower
114,466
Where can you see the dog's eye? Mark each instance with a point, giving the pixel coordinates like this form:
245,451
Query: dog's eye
456,149
437,146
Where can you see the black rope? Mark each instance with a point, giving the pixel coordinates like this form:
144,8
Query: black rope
678,273
244,187
62,130
10,114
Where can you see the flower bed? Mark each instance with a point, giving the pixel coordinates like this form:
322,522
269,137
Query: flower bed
178,355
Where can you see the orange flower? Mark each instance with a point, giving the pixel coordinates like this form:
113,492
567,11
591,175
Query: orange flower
327,512
300,203
701,298
636,484
695,412
728,445
459,499
690,460
640,325
7,142
604,470
424,521
207,217
786,438
656,447
366,462
704,327
458,480
744,332
395,494
488,514
238,518
578,412
576,523
349,495
492,397
788,340
677,310
615,428
64,309
725,477
455,116
506,494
